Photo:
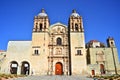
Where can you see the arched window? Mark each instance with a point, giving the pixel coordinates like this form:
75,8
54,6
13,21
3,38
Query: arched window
36,25
59,41
112,44
76,27
40,27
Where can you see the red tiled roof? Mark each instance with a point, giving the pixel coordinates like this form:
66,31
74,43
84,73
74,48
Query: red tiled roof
94,41
2,51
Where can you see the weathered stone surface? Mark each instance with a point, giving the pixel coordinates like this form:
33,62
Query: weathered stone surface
53,78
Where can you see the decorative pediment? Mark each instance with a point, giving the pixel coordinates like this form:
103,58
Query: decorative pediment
58,28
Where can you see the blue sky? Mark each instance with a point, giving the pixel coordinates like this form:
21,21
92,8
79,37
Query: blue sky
101,18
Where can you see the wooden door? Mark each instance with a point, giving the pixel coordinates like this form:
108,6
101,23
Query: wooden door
102,69
58,69
93,72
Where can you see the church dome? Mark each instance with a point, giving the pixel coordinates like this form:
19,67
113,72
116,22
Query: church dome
42,14
95,43
75,14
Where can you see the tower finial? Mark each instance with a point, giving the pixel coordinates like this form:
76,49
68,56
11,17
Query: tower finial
43,11
73,11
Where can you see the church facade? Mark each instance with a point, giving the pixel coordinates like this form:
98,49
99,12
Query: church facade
59,49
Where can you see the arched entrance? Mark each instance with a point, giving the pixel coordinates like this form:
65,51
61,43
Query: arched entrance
25,68
102,69
13,67
93,72
58,68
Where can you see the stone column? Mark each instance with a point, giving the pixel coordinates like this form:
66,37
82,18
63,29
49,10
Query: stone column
19,69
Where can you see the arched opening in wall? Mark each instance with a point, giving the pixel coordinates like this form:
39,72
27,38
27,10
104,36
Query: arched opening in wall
93,72
76,27
13,67
112,43
25,68
40,27
59,41
58,68
102,69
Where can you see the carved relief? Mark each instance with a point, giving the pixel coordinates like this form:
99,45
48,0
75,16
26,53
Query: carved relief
100,56
58,51
58,30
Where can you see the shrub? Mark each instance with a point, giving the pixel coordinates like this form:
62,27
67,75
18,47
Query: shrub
2,75
11,76
6,77
106,77
110,79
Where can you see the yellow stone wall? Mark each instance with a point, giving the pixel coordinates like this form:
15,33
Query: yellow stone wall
39,62
78,62
108,60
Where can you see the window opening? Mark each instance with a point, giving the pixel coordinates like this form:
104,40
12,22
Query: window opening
76,27
36,52
79,52
40,27
59,41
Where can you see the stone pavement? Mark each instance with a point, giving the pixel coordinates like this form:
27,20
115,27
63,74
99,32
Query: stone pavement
53,78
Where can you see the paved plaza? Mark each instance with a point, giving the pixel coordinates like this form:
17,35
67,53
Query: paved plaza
53,78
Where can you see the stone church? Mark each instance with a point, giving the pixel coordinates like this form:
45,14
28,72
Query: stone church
59,49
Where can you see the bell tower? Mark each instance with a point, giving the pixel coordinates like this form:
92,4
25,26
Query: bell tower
110,42
40,40
77,53
75,22
41,22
